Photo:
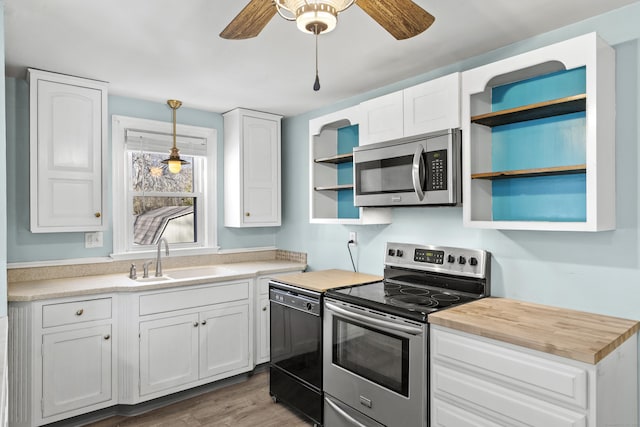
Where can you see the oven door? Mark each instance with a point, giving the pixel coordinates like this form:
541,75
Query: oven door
376,364
421,171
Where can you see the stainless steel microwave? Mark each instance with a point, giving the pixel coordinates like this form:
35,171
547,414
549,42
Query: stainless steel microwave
422,170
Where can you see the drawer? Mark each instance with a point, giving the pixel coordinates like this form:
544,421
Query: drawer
490,400
188,298
67,313
535,374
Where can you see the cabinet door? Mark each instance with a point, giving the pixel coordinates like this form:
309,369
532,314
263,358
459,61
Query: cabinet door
261,166
382,119
263,330
76,369
66,159
432,106
168,352
224,340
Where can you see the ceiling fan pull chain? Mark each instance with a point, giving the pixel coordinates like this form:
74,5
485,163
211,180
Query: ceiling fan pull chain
316,84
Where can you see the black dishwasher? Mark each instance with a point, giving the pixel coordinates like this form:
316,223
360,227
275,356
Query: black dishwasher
296,349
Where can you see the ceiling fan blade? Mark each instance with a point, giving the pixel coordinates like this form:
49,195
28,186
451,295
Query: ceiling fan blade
250,21
403,19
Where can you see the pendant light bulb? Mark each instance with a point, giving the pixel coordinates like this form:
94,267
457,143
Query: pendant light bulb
174,166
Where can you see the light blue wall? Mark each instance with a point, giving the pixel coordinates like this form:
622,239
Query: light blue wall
3,178
597,272
24,246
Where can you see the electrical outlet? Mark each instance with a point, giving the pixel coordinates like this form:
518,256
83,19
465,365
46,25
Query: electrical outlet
353,237
93,240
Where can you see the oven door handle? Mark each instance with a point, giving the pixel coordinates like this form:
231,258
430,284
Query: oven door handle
343,413
412,330
416,168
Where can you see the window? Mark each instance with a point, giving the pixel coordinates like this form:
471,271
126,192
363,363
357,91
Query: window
149,201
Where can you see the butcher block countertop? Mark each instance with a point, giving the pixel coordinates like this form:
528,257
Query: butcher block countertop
324,280
576,335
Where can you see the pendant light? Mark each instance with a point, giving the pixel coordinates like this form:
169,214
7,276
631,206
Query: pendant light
174,161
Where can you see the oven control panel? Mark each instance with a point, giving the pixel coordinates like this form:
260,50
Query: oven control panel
439,259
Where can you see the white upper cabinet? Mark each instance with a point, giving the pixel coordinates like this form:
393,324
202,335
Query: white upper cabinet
382,119
432,106
67,141
251,169
424,108
538,139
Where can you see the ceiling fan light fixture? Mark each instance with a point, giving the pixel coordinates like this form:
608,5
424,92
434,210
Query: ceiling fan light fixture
316,18
313,17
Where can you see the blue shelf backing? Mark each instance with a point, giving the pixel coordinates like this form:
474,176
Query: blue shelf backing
560,198
538,89
547,142
347,139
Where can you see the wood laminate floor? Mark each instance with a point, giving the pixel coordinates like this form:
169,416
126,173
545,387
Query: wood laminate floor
246,404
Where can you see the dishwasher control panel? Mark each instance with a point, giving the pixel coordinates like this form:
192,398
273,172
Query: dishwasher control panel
292,299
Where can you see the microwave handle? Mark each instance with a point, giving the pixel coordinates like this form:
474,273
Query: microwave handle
416,168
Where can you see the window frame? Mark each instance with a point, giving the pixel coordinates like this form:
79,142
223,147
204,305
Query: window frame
123,246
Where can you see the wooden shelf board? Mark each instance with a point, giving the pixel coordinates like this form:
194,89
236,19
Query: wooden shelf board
555,107
339,158
524,173
334,187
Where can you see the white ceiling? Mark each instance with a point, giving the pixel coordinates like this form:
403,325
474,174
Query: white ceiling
161,49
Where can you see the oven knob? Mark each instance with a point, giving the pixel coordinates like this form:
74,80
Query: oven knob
399,252
309,306
473,261
451,258
392,252
462,260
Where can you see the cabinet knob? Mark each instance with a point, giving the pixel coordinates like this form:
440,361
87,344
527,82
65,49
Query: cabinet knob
79,312
264,308
204,322
106,337
247,214
195,324
98,214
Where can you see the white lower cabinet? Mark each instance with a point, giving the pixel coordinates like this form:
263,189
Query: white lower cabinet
182,349
168,352
190,337
62,359
476,381
76,369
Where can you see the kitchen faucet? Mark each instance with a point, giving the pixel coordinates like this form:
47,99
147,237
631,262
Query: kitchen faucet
159,259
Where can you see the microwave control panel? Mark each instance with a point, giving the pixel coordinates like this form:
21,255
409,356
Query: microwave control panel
436,162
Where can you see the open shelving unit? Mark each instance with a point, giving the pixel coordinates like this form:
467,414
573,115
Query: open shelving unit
530,162
331,141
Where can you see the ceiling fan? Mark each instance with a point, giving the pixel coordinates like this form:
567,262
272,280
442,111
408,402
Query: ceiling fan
403,19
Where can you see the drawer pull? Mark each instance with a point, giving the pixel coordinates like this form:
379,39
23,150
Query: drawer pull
204,322
195,324
106,337
247,214
79,312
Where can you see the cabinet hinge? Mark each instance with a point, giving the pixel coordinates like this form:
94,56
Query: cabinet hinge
42,406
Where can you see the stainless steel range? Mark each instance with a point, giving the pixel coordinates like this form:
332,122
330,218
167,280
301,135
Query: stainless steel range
376,335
